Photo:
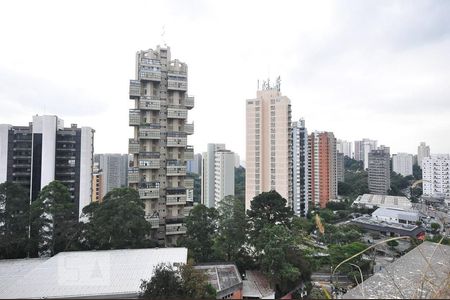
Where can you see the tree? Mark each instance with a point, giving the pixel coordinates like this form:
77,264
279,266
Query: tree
232,228
118,222
340,253
392,244
53,220
14,220
417,172
268,208
201,227
164,284
435,227
168,283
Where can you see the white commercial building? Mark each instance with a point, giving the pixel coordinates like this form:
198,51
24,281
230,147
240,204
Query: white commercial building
223,175
402,163
396,215
372,201
436,176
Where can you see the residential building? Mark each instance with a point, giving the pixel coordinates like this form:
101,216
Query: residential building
97,184
159,144
300,168
362,150
344,147
195,165
323,182
422,151
402,163
237,160
373,201
223,175
268,143
436,176
44,151
379,171
208,174
115,171
98,274
340,170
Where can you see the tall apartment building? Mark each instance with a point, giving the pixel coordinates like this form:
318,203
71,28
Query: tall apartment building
268,144
44,151
379,171
223,175
195,165
114,169
208,174
422,151
436,176
344,147
97,183
402,163
300,168
159,144
340,170
323,182
362,150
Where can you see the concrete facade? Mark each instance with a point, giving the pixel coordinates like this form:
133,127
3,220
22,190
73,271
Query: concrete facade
300,168
379,171
422,151
223,175
344,147
115,171
268,144
208,174
159,144
362,150
436,176
402,163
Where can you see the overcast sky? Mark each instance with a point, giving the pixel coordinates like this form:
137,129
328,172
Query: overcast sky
362,69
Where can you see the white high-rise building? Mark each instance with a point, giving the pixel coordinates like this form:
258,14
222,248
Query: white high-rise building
344,147
422,151
362,150
402,163
223,175
300,168
436,176
208,174
114,170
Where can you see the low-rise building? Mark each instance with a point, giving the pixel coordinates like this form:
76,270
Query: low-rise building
257,286
373,201
224,278
389,228
396,215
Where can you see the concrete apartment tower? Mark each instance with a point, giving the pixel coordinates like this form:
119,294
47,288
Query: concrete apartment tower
268,143
379,171
344,147
44,151
422,151
208,174
159,144
323,182
362,149
114,168
436,176
223,175
402,163
300,168
340,169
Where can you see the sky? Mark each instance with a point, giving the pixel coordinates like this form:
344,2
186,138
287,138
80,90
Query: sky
361,69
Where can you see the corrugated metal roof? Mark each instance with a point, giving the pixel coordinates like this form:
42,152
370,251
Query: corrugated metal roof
90,273
396,213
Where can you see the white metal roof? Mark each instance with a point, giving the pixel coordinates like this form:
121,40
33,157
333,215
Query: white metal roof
89,273
396,213
371,200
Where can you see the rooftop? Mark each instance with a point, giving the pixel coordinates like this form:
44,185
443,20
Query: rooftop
223,277
370,200
397,213
256,285
84,274
424,272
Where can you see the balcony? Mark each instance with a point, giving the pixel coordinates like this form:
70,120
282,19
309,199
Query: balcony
149,73
135,117
149,62
149,163
149,103
133,175
133,146
174,168
189,128
187,210
135,89
188,153
188,183
189,102
172,229
149,190
176,113
173,141
177,82
190,195
153,220
176,199
151,132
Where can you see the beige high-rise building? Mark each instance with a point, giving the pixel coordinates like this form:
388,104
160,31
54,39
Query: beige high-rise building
268,144
159,144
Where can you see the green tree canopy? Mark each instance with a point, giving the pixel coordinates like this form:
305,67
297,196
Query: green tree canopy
201,227
53,220
118,222
14,220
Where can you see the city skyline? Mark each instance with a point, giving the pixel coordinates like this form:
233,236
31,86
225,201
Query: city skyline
344,70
